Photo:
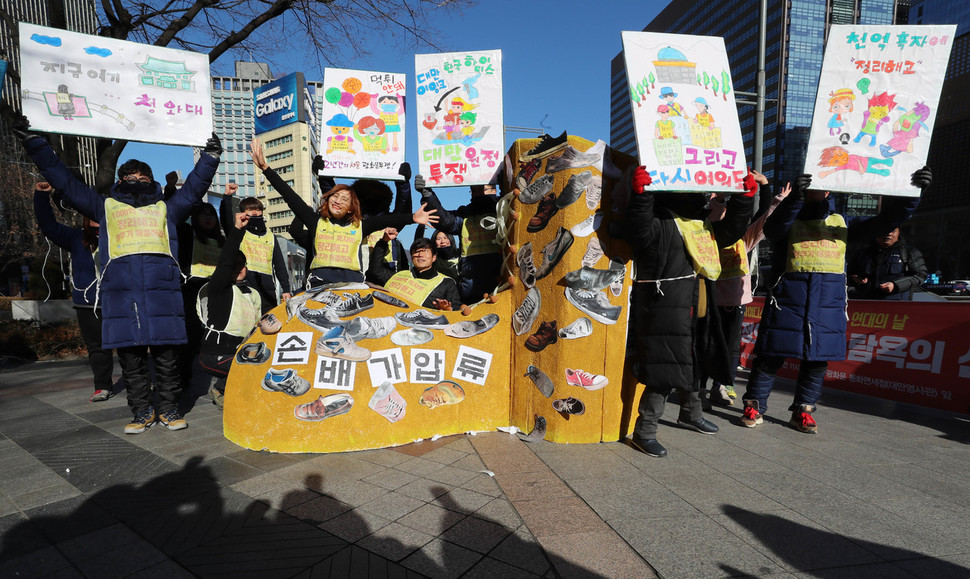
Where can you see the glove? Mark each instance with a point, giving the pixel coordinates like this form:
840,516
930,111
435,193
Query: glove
802,184
213,146
421,185
641,179
20,126
317,165
405,171
750,185
923,178
171,178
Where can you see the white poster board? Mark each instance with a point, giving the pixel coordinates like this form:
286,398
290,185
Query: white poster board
79,84
363,123
876,107
461,138
684,114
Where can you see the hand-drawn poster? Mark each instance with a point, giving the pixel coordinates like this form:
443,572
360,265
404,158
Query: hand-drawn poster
876,106
461,138
80,84
684,113
363,123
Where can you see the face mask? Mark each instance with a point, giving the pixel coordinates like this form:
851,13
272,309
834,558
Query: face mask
256,225
142,192
388,108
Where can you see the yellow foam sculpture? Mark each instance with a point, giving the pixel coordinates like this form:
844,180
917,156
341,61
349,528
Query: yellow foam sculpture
507,395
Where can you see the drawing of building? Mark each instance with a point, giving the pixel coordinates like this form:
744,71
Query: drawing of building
166,74
672,67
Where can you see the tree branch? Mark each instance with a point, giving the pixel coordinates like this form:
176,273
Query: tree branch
276,9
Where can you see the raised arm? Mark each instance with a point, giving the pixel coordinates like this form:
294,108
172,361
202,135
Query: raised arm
642,228
281,271
376,269
223,278
60,234
226,211
82,197
402,197
297,205
197,183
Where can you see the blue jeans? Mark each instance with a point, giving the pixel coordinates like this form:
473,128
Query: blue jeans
762,380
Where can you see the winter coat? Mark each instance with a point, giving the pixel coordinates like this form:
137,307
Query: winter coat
900,264
83,277
447,290
805,312
140,295
665,313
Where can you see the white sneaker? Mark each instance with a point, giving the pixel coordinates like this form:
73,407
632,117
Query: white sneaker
387,402
594,251
537,190
579,329
525,316
527,267
361,328
337,344
594,194
586,227
412,337
470,328
616,288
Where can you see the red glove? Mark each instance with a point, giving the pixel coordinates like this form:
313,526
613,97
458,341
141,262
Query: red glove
641,179
750,186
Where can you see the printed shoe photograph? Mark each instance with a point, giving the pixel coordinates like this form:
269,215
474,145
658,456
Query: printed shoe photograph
594,304
469,328
442,394
422,319
412,337
286,381
254,353
324,407
585,380
525,316
337,344
542,380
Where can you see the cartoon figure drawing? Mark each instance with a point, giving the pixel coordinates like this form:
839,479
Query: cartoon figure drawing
65,103
389,107
840,160
703,117
457,106
840,104
370,131
341,140
677,115
876,116
668,95
664,127
905,130
466,124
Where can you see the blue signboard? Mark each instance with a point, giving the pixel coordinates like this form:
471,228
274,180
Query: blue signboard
279,103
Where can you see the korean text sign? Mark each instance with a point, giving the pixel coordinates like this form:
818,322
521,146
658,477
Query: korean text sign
876,106
684,114
363,123
81,84
461,137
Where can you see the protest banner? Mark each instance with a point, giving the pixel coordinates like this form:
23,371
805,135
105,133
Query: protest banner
81,84
914,352
684,114
363,123
459,101
876,106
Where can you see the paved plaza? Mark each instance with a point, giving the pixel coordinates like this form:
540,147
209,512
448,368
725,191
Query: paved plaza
882,491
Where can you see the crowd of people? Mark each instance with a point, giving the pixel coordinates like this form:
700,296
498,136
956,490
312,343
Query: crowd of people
165,281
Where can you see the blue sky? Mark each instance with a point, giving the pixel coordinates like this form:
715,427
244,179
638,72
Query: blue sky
556,59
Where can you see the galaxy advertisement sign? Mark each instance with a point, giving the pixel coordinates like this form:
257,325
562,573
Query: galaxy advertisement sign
279,103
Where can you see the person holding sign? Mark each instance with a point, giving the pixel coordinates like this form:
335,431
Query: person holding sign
424,284
338,229
140,289
804,313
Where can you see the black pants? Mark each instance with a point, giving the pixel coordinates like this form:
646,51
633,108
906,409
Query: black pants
651,409
101,360
217,365
134,366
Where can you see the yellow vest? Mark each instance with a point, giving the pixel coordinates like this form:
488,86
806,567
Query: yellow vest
817,245
259,252
699,239
337,245
734,261
475,239
245,313
413,289
372,240
205,257
134,230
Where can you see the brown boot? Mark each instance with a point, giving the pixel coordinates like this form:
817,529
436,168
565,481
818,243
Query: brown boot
547,334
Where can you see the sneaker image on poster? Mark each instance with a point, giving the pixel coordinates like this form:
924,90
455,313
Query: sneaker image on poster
569,406
361,328
553,251
544,336
594,194
324,407
389,299
587,226
323,319
594,251
537,190
270,324
542,380
594,304
589,278
574,189
544,212
294,304
527,173
525,316
616,288
547,145
442,394
253,353
353,305
422,319
579,329
571,158
527,268
470,328
325,297
585,380
337,344
286,381
387,402
412,337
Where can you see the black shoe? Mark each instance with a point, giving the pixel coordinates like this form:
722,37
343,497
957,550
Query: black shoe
648,446
547,146
702,425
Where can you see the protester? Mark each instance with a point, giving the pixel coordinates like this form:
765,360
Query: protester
338,229
229,309
804,314
423,284
266,265
888,269
375,200
676,258
82,245
449,253
139,288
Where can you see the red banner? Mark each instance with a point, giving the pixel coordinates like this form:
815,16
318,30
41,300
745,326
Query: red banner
915,352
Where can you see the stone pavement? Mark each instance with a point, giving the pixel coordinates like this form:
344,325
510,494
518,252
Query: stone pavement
881,491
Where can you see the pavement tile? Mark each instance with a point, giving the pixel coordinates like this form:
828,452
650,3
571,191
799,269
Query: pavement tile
646,499
318,510
594,554
525,486
431,519
880,570
38,497
558,516
394,541
477,534
423,447
93,544
522,551
451,476
333,469
383,456
462,444
500,511
513,460
441,559
392,505
419,466
950,567
66,519
927,482
352,561
483,483
354,493
462,500
137,465
488,568
390,479
424,489
122,561
716,492
354,525
227,471
76,433
471,462
263,460
445,455
257,485
39,563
